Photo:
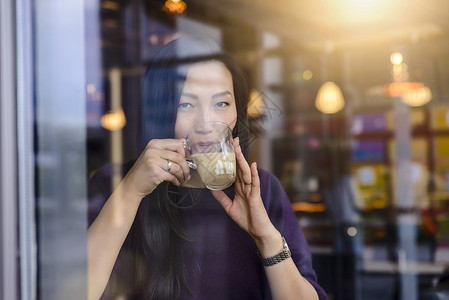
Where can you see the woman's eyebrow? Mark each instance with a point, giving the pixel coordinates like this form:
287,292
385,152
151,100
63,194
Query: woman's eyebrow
189,95
224,93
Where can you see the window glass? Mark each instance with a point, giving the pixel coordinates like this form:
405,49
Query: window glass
60,150
346,107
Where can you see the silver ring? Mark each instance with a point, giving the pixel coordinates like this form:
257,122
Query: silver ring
168,165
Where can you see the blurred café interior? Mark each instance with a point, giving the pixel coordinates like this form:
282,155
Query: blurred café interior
349,108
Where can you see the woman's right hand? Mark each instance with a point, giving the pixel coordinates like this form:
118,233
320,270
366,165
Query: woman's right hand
151,168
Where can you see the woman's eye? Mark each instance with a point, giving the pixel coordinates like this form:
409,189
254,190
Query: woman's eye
222,104
185,105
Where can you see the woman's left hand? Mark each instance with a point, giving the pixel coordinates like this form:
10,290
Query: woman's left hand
247,208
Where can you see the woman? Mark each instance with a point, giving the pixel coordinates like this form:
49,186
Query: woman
147,243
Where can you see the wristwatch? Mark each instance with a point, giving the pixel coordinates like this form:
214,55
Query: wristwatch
277,258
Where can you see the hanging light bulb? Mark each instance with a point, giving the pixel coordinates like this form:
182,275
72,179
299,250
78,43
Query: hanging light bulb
417,97
174,6
396,58
329,99
113,121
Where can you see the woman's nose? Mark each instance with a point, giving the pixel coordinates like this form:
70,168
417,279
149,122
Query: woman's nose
204,117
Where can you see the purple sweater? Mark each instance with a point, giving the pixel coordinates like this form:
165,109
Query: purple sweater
224,263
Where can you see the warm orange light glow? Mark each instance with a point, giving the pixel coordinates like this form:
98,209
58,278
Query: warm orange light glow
398,89
364,11
396,58
417,97
329,99
308,207
411,93
113,121
174,6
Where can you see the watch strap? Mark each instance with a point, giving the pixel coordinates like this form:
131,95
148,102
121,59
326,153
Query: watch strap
277,258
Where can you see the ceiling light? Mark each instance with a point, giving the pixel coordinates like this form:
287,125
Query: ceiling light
396,58
329,99
417,97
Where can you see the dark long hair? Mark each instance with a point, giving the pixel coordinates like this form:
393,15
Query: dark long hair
157,234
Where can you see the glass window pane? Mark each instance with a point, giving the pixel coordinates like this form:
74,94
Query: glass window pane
344,110
60,146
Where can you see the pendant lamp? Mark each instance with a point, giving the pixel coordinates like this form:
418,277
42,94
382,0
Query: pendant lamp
417,97
329,99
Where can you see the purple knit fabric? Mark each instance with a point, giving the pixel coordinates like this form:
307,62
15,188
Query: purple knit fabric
224,263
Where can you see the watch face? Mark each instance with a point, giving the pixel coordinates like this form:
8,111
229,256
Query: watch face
285,244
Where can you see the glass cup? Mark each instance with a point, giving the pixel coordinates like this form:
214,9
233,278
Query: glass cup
209,150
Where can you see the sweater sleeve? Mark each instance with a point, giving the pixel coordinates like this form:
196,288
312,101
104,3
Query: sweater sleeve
280,211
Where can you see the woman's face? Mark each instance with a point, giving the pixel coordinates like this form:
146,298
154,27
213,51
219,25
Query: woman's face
208,95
